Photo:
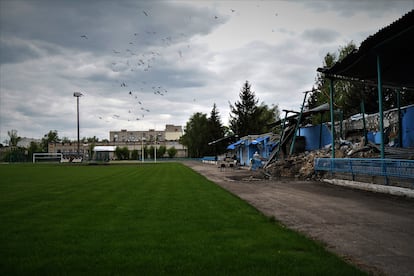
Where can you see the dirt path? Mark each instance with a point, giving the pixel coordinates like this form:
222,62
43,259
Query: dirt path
373,231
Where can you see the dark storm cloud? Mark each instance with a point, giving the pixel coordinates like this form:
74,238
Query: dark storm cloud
98,26
320,35
352,7
11,52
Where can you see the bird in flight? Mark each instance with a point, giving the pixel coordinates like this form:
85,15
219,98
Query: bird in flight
146,14
84,36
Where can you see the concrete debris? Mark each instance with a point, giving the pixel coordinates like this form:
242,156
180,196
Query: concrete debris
302,165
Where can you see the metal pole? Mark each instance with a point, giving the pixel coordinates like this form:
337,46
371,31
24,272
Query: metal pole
155,148
381,122
292,146
142,148
77,100
400,140
331,102
381,112
341,114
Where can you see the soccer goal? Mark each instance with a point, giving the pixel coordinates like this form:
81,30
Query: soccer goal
47,157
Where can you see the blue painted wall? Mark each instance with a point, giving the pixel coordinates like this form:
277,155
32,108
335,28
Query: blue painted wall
312,135
408,127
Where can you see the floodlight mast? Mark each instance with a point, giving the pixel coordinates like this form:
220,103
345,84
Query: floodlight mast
77,95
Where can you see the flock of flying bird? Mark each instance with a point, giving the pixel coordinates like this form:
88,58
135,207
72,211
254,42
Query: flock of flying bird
129,60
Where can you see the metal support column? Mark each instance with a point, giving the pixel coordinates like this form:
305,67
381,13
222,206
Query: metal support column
380,105
400,140
292,146
381,115
331,107
341,119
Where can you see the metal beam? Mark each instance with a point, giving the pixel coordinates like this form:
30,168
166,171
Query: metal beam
380,105
400,140
331,106
292,146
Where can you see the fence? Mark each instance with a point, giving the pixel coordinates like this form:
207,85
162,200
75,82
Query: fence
375,167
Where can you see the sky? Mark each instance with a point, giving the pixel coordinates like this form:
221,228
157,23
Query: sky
143,64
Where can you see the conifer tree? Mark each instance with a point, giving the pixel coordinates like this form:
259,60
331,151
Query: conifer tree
216,131
247,117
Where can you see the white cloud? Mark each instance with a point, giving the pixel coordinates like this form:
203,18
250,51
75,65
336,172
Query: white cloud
180,58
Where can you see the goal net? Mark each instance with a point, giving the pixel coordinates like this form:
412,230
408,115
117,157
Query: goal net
47,157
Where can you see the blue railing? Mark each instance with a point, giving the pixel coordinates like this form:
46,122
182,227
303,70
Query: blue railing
377,167
209,158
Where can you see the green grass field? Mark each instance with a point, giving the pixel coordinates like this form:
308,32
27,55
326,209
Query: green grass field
143,220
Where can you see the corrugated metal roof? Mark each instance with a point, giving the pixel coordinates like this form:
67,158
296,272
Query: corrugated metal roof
394,45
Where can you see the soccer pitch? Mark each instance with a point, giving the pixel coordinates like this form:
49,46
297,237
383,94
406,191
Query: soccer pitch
142,219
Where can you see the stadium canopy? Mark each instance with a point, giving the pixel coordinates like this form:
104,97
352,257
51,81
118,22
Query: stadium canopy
392,45
383,59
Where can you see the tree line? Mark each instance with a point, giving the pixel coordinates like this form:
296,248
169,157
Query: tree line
204,135
123,153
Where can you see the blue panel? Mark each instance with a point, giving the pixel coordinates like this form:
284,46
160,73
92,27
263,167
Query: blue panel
408,127
312,136
371,136
377,138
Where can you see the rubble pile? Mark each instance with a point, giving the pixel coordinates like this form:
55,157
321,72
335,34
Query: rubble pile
302,165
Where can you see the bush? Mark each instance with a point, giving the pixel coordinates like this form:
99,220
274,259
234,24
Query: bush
172,152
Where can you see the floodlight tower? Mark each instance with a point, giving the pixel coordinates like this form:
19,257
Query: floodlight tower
77,95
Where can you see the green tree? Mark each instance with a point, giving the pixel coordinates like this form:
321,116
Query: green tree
33,148
246,117
161,151
151,152
146,152
267,115
51,137
134,154
216,131
65,140
172,152
196,135
122,153
13,138
93,139
242,114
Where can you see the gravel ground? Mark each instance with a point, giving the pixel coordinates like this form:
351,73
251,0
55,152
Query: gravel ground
373,231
